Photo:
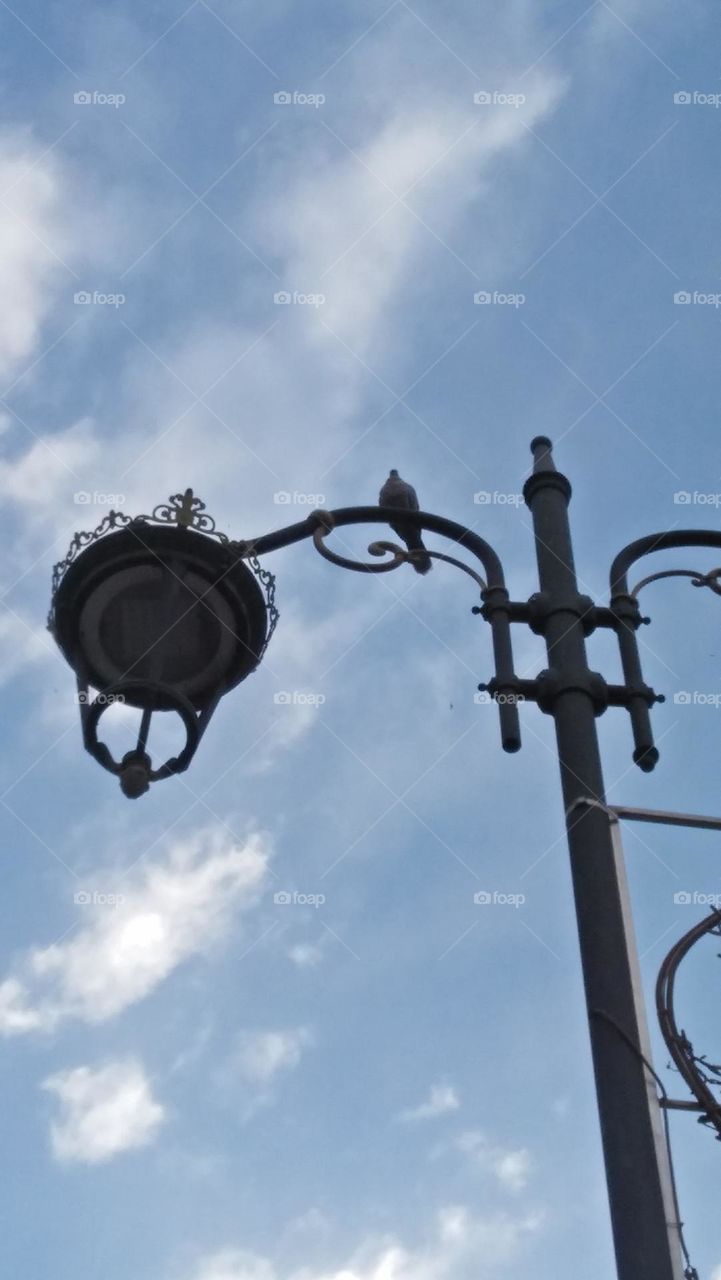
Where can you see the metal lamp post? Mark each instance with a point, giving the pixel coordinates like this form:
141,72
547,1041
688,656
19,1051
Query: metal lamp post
169,614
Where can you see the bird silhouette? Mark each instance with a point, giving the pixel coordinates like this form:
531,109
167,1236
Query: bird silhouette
398,493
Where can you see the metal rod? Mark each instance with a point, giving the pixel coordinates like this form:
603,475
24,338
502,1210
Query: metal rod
144,729
653,1104
641,1214
666,817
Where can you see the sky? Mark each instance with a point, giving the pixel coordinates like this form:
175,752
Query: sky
255,1026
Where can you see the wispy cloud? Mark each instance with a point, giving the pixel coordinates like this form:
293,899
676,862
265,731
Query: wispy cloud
260,1055
460,1246
135,935
441,1099
103,1112
31,232
511,1168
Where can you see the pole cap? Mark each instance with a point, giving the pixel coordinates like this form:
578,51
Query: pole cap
541,442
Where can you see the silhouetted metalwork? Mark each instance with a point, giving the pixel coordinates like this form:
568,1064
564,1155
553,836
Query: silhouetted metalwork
161,613
129,609
399,555
701,1076
710,579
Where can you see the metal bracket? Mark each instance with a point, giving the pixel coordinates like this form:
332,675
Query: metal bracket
551,685
541,610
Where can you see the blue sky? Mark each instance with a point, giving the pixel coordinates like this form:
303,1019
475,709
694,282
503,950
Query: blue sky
394,1083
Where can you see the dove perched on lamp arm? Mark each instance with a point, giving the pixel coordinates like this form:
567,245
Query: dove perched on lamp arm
398,493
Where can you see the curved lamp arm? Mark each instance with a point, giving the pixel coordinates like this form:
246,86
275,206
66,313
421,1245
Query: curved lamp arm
656,542
387,515
624,606
496,604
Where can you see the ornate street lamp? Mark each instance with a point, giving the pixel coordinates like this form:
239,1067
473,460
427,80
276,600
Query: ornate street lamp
162,614
169,614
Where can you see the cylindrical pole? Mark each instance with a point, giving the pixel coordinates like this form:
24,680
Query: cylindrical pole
644,1234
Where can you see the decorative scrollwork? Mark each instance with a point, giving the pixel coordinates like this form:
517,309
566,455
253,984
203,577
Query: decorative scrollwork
399,555
186,510
710,579
113,520
267,581
701,1076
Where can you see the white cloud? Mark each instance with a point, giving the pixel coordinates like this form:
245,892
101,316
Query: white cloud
232,1264
288,371
352,239
21,644
103,1112
511,1168
33,242
462,1247
249,1076
50,468
170,911
441,1099
306,954
261,1055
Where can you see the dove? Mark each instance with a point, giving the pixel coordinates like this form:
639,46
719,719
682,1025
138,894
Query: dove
398,493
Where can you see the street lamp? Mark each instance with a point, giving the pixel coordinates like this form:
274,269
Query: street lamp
169,614
160,614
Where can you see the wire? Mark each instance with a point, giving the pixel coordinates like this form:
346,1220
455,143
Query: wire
690,1272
